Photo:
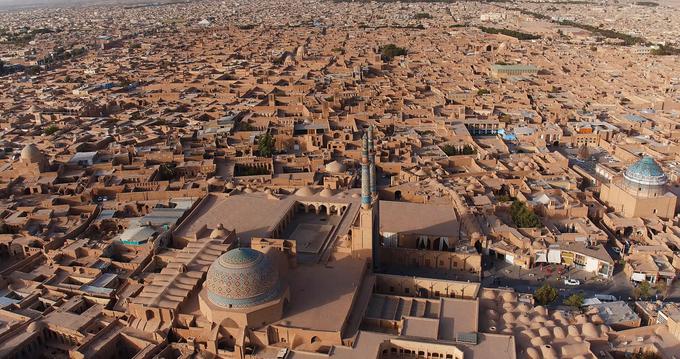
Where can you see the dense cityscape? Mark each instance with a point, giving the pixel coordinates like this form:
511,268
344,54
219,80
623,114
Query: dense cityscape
340,179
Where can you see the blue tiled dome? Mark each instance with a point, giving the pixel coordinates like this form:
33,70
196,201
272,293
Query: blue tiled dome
646,172
242,277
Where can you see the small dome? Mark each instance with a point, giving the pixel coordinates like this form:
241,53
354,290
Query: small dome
242,277
491,314
219,232
559,333
532,353
215,181
590,331
508,318
545,332
31,154
420,173
304,192
539,318
604,329
530,334
549,352
646,172
335,167
35,326
523,307
536,325
488,293
573,331
537,342
523,319
509,297
326,192
540,310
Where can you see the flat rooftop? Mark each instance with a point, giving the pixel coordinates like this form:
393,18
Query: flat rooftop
321,296
426,219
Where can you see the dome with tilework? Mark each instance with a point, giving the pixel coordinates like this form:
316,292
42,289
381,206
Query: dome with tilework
242,277
646,172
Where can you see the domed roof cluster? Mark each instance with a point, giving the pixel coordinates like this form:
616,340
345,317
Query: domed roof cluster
646,172
242,277
538,332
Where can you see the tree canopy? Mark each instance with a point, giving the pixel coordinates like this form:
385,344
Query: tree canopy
545,295
265,145
643,290
575,300
390,51
523,216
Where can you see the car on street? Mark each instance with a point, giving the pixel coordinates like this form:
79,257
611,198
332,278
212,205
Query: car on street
570,281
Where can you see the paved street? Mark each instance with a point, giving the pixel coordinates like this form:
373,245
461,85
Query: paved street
502,274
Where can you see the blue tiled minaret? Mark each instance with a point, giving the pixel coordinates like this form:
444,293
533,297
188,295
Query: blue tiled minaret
365,176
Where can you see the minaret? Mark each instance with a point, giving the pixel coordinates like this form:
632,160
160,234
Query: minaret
366,194
365,236
371,161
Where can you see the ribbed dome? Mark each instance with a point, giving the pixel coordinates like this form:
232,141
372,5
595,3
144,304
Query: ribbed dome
31,154
242,277
646,172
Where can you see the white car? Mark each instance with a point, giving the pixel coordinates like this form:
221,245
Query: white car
572,282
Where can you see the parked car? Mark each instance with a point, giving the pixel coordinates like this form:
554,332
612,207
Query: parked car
570,281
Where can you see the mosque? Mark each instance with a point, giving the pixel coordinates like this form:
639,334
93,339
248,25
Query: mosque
642,191
266,271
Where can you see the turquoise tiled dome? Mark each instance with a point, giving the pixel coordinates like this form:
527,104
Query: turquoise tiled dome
242,277
646,172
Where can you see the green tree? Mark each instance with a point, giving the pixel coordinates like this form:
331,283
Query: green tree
482,92
523,217
5,229
166,172
575,300
643,290
265,145
454,151
390,51
646,355
545,294
661,288
51,129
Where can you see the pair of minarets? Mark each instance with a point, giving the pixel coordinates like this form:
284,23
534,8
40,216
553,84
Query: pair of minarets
368,179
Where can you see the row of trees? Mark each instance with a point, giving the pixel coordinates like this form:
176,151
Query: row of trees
547,294
454,151
516,34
